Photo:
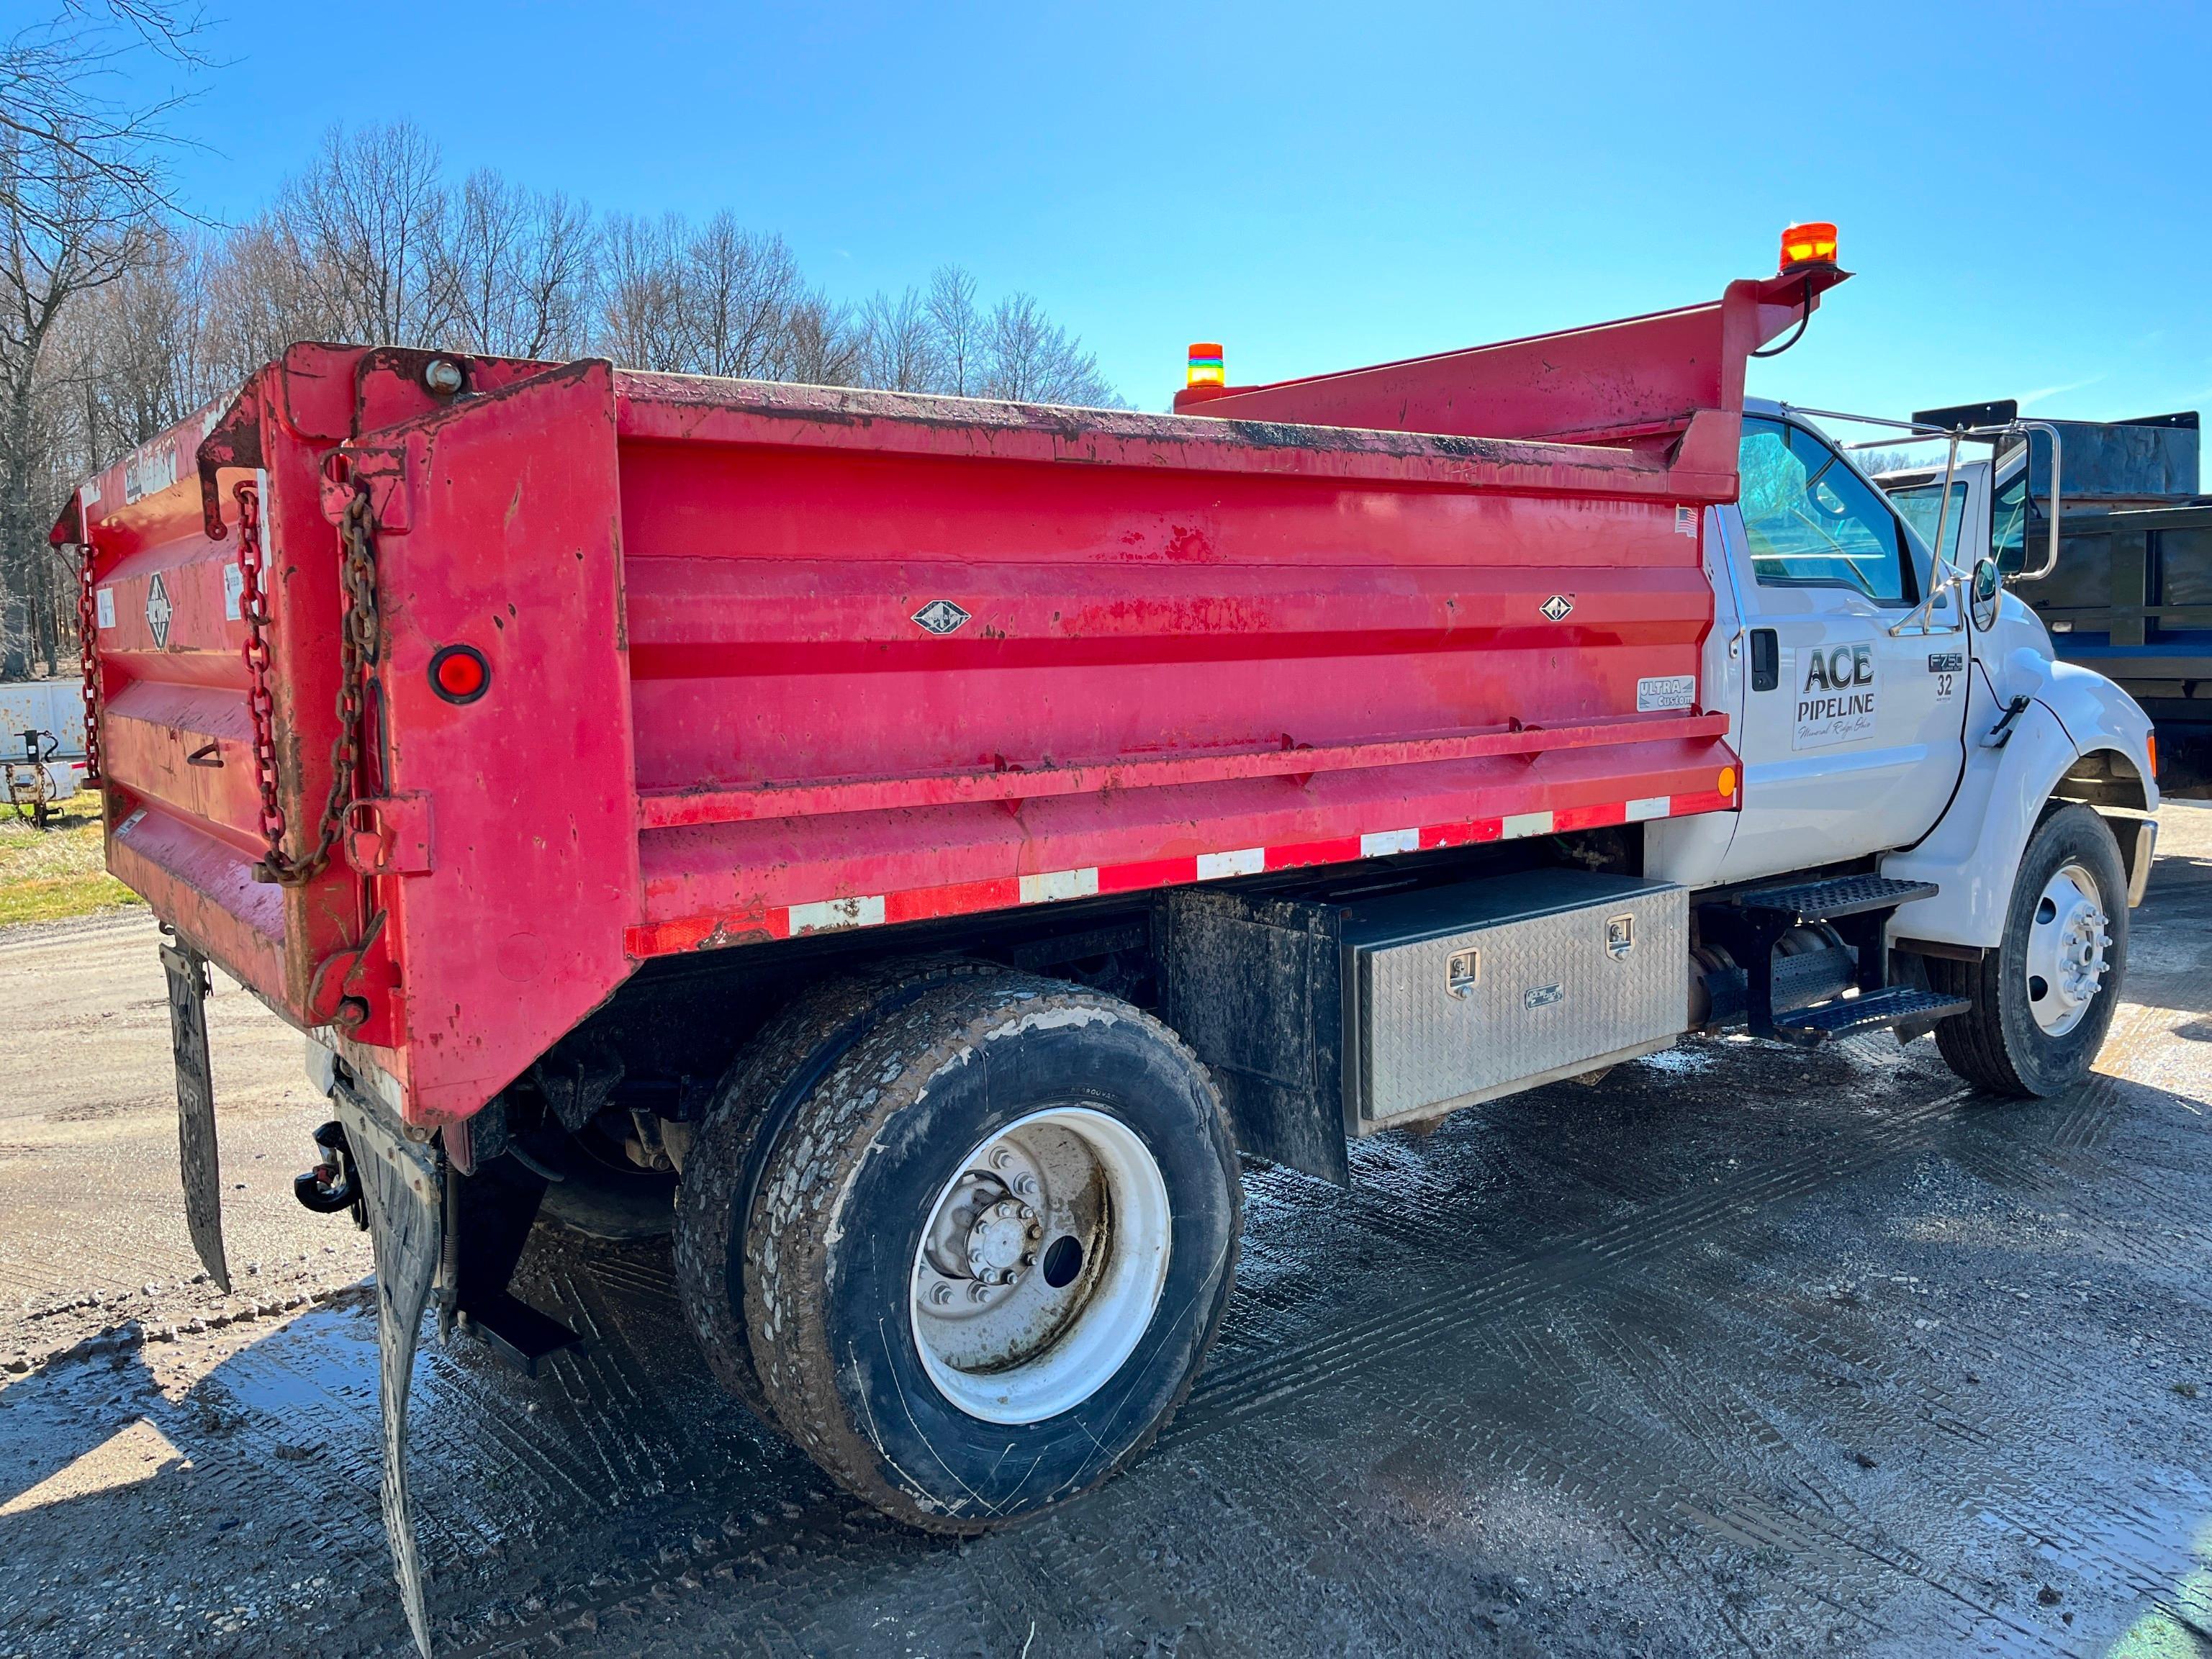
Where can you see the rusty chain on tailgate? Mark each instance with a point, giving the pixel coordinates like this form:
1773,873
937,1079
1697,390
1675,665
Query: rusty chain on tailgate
88,658
357,631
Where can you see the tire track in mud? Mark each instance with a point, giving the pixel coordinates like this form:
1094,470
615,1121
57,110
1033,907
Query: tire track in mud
2004,1490
1552,1271
1593,1438
2036,1511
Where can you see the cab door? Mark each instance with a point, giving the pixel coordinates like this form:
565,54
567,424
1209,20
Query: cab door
1854,697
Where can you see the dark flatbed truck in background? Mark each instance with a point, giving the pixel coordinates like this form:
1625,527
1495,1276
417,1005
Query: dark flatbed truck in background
2131,595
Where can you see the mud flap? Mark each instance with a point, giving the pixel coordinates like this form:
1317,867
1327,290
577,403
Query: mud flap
188,991
404,1186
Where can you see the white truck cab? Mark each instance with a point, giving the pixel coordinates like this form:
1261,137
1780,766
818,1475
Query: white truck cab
1899,713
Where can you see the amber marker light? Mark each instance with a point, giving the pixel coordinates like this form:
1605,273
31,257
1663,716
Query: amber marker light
1206,368
1808,245
1727,783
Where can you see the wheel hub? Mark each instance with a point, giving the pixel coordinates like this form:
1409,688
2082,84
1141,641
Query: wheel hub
1040,1265
2069,938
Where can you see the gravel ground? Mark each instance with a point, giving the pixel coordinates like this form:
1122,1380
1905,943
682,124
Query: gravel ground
1741,1350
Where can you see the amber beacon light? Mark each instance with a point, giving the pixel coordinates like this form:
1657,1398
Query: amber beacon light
1808,245
1206,368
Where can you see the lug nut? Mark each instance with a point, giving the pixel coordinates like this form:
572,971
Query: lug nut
1025,1184
1002,1158
940,1293
979,1292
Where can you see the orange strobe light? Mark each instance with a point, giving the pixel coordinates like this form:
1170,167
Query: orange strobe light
1808,245
1206,365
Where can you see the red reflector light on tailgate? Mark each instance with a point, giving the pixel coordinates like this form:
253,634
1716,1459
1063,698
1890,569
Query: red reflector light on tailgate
459,673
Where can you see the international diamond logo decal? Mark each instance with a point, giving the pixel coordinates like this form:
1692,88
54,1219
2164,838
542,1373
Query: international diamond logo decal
1557,606
940,617
158,612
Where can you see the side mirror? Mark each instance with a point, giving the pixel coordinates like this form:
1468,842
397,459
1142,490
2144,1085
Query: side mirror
1987,587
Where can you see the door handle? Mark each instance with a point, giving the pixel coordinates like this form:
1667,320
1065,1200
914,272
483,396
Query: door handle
1765,659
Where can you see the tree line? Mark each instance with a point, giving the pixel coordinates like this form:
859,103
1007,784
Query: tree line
121,311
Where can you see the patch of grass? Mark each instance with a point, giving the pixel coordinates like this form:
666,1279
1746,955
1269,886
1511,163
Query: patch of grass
60,873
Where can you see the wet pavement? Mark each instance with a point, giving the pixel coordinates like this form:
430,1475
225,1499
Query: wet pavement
1738,1350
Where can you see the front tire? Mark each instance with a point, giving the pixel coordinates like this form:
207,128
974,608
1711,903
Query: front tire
991,1250
2043,999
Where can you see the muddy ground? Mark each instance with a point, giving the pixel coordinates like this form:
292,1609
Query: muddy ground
1741,1350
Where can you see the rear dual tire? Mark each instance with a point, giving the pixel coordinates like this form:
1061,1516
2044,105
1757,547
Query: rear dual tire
988,1251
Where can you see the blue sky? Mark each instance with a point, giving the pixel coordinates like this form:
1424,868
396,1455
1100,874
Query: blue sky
2020,187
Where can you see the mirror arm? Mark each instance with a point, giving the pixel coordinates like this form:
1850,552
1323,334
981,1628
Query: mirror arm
2051,554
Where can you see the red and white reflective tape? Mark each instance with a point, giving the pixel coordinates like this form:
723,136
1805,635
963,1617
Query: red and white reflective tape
1009,892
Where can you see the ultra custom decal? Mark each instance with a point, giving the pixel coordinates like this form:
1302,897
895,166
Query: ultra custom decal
1835,695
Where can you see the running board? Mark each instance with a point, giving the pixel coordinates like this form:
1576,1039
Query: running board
1802,902
1871,1011
1854,908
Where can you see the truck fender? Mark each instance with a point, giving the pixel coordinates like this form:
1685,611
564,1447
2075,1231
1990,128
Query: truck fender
1975,848
2099,716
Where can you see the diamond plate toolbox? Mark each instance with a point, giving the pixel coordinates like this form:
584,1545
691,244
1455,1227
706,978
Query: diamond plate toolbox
1327,1009
1456,994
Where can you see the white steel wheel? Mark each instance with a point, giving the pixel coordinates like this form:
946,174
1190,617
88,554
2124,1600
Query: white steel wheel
1041,1266
911,1332
2041,1002
2065,961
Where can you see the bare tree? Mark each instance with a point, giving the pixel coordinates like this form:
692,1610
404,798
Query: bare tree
1030,358
739,291
59,80
641,314
519,267
259,298
898,345
958,323
68,230
818,344
367,222
133,357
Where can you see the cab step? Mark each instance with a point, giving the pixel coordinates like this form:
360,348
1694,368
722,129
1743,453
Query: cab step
1855,909
1870,1011
1803,901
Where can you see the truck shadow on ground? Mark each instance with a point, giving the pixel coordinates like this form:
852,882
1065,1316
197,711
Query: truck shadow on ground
1753,1349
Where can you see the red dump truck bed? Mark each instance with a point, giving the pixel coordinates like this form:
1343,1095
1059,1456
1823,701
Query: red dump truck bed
656,664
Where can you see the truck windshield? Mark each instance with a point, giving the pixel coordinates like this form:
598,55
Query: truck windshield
1813,522
1918,503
